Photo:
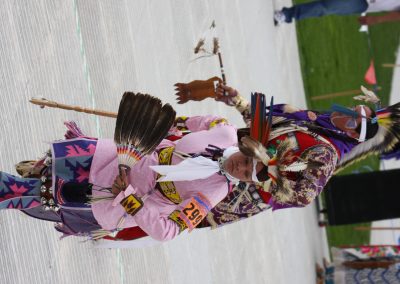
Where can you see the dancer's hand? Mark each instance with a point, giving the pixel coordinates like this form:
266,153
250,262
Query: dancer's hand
120,183
225,94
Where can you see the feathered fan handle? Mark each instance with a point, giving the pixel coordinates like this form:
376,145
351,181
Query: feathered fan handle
369,96
142,123
251,147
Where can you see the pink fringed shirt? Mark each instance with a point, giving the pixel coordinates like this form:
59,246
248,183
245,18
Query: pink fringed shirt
153,217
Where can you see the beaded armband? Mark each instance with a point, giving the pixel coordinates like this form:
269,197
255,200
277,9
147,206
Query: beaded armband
132,204
242,106
219,121
174,216
180,123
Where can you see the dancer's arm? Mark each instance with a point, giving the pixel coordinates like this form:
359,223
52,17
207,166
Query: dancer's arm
199,123
311,182
186,215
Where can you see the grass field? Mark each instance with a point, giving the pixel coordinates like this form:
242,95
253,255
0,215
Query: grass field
334,58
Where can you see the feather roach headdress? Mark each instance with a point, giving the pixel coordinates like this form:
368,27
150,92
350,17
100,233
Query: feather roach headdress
260,131
264,127
260,124
387,139
142,123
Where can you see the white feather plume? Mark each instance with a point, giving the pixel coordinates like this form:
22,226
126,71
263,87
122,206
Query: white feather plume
295,167
369,96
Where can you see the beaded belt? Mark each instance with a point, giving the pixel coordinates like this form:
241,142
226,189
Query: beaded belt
46,192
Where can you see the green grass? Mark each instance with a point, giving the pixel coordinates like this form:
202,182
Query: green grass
334,57
346,235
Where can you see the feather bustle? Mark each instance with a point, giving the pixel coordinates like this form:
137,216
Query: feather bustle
385,140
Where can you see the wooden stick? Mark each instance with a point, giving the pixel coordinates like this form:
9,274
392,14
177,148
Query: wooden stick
358,265
389,65
363,228
42,102
339,94
335,95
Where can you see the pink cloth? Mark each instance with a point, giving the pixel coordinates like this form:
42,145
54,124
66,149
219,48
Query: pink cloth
198,123
153,217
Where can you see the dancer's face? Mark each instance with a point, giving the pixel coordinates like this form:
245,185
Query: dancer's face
241,166
349,124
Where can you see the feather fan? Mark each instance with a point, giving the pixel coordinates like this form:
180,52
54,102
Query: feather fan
142,122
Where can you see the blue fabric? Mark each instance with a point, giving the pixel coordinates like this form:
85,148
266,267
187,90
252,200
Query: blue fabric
39,212
72,160
18,193
71,164
323,8
77,222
